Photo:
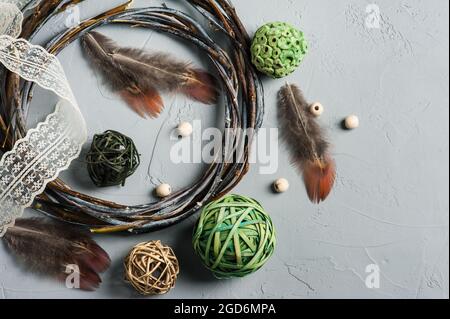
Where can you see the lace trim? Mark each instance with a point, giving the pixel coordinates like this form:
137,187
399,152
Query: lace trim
45,151
11,19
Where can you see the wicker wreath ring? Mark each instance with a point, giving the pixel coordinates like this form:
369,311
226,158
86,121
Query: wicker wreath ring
244,112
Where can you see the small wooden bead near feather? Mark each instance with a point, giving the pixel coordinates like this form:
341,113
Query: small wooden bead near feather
351,122
163,190
281,185
185,129
317,109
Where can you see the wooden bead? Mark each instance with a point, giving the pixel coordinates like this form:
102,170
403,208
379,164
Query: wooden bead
163,190
317,109
352,122
281,185
185,129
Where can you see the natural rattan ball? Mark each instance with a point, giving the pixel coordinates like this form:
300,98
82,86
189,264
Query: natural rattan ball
234,236
152,268
113,158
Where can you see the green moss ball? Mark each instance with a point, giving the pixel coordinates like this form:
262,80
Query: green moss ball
278,49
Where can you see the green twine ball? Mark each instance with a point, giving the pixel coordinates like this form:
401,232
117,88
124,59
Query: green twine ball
278,49
113,158
234,236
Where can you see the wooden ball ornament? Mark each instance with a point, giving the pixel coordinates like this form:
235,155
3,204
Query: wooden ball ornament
163,190
281,185
185,129
351,122
316,109
151,268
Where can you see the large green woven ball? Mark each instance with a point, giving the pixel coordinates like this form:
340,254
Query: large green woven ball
278,49
234,236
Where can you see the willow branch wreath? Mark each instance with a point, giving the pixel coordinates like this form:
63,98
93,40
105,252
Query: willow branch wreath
243,113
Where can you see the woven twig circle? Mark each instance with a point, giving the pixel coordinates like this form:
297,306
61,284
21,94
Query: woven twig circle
244,111
151,268
234,236
113,158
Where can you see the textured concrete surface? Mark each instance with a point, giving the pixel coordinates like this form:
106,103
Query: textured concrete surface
390,206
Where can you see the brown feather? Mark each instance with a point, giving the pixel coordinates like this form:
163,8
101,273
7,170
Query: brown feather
138,75
143,103
308,146
319,178
201,87
47,247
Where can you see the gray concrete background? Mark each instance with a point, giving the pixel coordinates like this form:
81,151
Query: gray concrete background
390,206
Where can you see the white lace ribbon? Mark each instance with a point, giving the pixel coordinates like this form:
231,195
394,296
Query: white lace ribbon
49,148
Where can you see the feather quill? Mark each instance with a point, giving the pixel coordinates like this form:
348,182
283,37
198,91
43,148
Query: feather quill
308,146
138,76
47,247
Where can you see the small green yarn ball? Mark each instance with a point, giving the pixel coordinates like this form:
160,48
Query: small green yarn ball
278,49
113,158
234,237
